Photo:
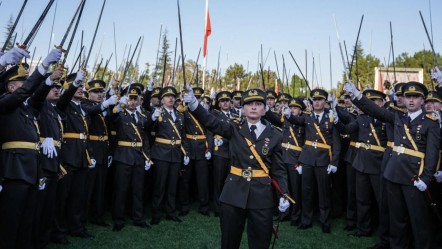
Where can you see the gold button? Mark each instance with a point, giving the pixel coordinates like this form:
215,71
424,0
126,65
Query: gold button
251,157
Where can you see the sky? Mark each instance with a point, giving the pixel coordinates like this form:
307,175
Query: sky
239,27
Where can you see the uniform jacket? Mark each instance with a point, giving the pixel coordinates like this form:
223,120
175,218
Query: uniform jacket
319,156
424,130
97,127
237,191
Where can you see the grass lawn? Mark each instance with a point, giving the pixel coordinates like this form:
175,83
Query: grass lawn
197,231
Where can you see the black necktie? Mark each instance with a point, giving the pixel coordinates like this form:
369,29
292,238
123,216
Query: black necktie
317,119
170,113
228,115
252,131
133,118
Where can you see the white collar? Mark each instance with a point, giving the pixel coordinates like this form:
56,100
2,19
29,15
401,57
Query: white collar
414,114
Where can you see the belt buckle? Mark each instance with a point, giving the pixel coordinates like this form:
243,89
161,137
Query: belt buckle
37,146
194,137
287,146
315,144
172,142
367,146
133,144
247,174
357,145
82,136
101,138
400,150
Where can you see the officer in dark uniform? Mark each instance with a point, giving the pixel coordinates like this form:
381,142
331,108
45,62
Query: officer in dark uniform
76,158
51,132
256,156
199,154
411,166
236,102
271,99
98,140
20,137
319,158
168,151
292,142
372,139
131,158
221,151
347,113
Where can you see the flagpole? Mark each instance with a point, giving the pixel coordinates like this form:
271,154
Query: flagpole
207,31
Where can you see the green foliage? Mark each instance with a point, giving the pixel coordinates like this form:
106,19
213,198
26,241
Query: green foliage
8,30
197,231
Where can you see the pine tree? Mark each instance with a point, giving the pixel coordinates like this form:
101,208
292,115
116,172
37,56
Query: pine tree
8,30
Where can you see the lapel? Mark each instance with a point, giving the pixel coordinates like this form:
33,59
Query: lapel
266,133
417,120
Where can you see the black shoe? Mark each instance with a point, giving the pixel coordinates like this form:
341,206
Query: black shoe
117,227
326,229
99,223
183,213
173,218
349,228
359,234
295,223
82,234
142,225
205,213
303,226
155,221
61,240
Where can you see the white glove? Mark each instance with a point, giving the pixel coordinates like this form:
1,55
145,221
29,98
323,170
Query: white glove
287,112
420,185
190,98
351,88
13,56
93,162
109,161
147,165
150,85
331,169
81,75
213,95
205,105
334,114
42,183
436,75
218,142
49,148
208,155
123,100
186,160
156,114
436,114
438,176
284,204
1,188
299,169
108,102
111,92
53,57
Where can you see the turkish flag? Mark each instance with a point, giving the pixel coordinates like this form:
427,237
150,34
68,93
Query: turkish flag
208,29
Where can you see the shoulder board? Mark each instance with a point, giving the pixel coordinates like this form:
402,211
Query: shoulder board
276,127
181,108
307,112
399,109
431,117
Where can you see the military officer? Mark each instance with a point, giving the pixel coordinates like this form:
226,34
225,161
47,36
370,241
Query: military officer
131,158
256,157
236,102
319,158
411,166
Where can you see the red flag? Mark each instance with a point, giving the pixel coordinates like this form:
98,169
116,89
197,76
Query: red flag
208,29
276,87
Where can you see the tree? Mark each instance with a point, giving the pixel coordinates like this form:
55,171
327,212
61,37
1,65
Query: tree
164,61
9,27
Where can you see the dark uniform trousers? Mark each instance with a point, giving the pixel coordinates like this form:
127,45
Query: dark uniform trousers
241,199
314,163
19,166
221,163
201,170
351,215
50,126
96,178
129,164
367,185
165,187
71,191
295,186
408,206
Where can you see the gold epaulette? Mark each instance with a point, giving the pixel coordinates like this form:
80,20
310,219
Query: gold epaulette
392,106
181,108
430,116
278,128
307,112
